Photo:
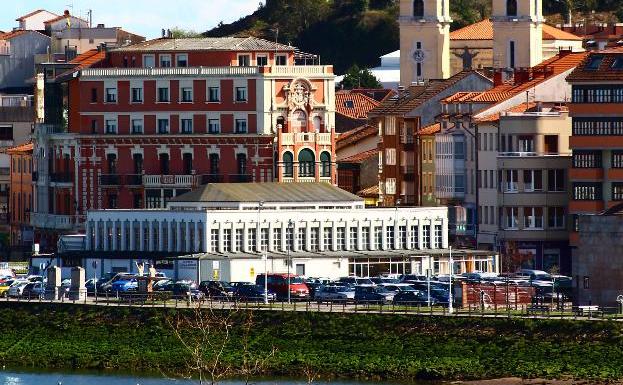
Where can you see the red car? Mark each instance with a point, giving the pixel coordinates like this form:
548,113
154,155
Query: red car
278,284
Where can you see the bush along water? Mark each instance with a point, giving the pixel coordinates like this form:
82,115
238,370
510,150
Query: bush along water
299,343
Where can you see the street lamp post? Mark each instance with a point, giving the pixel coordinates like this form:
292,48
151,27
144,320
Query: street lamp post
450,309
289,246
260,204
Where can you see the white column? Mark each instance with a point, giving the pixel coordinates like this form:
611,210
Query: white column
187,240
245,238
284,233
334,236
321,245
409,224
420,233
444,233
360,245
270,236
221,238
347,235
371,241
397,244
178,235
87,232
206,237
384,226
114,236
141,236
197,235
258,236
295,233
150,227
124,239
106,245
170,230
308,227
160,245
132,237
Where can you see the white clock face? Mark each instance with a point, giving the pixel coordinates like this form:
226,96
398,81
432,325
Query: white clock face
418,56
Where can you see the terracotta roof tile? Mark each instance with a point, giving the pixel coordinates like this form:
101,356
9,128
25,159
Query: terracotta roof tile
229,43
24,148
355,135
604,72
61,17
361,157
371,192
430,129
483,30
353,104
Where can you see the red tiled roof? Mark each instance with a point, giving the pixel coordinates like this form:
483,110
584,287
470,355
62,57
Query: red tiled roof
371,192
430,130
84,60
549,68
378,94
61,17
360,157
604,72
355,135
354,105
12,34
483,30
24,148
32,14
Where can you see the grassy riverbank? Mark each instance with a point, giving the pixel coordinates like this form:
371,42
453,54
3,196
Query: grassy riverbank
382,346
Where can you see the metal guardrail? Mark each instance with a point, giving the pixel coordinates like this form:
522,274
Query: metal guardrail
563,311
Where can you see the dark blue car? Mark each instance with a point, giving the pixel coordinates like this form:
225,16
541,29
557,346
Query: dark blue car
253,292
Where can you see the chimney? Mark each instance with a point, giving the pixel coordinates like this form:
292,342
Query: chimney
66,13
498,78
169,33
164,33
100,26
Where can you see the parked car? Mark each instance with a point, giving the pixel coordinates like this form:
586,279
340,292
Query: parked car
106,287
413,297
162,285
186,289
374,294
278,284
382,280
251,292
217,289
397,287
412,278
329,293
34,278
17,288
534,275
4,288
353,281
124,285
33,290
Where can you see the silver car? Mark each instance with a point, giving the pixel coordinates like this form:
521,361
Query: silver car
333,293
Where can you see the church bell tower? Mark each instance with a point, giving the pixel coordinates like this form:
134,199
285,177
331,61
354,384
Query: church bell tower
517,33
424,40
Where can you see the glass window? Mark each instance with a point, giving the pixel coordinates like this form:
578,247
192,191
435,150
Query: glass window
163,126
137,95
426,236
617,159
617,191
327,238
587,191
239,237
365,238
241,94
526,144
556,180
262,61
281,60
556,217
241,126
512,215
264,234
163,94
300,238
586,159
182,59
149,61
533,180
511,181
288,165
438,236
214,94
418,8
214,126
187,126
111,95
137,126
252,239
378,237
244,60
413,238
187,94
341,239
165,61
325,164
390,237
533,217
111,126
307,164
353,238
213,240
276,238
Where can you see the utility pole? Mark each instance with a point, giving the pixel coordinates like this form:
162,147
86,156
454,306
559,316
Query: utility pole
450,309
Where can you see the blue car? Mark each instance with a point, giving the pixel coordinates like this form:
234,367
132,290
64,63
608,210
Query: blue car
124,285
253,292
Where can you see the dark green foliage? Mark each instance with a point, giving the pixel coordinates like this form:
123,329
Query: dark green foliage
380,346
360,78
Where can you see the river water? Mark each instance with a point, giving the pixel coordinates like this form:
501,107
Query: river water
79,378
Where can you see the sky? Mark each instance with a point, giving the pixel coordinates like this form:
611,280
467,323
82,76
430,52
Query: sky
144,17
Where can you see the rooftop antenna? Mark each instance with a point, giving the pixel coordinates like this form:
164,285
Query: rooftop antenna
90,13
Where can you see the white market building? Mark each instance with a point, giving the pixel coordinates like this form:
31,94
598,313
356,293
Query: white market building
212,233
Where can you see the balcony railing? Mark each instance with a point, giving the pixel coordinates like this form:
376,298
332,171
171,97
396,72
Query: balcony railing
62,177
521,154
289,138
173,180
51,221
171,71
110,180
48,129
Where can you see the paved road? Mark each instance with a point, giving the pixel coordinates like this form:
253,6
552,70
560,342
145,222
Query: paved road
324,308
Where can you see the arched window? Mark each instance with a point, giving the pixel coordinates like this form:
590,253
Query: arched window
281,124
317,124
418,8
307,163
325,164
511,7
288,165
299,121
241,160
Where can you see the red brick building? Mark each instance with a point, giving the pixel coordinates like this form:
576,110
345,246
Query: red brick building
153,120
20,199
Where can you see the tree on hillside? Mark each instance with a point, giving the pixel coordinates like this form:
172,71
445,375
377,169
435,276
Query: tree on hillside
180,33
360,78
